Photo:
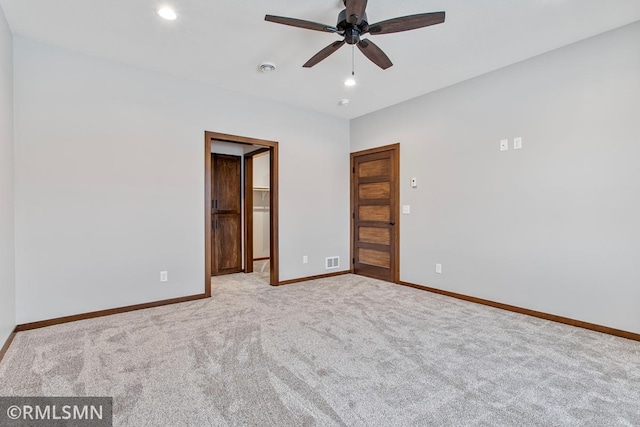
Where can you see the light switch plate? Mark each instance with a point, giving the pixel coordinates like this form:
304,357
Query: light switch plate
517,143
406,209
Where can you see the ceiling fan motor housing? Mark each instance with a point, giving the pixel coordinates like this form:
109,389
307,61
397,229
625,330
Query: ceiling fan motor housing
351,31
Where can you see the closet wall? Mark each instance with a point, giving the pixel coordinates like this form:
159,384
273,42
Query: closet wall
261,206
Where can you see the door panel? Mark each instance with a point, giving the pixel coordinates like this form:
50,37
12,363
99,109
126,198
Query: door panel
378,235
376,190
374,199
374,213
370,168
227,185
375,257
227,243
226,217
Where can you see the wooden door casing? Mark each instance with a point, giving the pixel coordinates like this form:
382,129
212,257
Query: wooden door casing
375,223
226,216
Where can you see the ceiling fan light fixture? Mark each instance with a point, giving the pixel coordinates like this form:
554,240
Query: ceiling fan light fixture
353,24
267,67
351,81
167,13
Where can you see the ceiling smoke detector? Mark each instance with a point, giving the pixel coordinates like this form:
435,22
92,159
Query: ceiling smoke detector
267,67
343,102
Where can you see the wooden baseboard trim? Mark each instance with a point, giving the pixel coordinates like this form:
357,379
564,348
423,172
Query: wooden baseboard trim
102,313
261,259
319,276
7,344
526,311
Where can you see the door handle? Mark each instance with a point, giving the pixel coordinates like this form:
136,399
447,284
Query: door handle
392,223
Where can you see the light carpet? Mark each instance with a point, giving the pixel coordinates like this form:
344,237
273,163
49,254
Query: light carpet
344,351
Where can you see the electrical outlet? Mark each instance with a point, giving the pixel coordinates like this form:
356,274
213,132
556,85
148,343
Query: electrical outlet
439,268
164,276
504,144
305,259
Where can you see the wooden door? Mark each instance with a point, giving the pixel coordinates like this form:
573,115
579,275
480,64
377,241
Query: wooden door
226,218
374,201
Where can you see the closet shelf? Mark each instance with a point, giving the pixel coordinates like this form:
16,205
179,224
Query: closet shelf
260,188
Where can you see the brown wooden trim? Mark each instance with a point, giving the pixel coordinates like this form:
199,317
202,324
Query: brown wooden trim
207,215
377,149
274,266
274,236
248,212
396,172
261,259
319,276
552,317
240,139
7,344
108,312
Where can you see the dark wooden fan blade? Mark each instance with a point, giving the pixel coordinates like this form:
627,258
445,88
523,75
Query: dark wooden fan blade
323,54
355,10
374,53
308,25
406,23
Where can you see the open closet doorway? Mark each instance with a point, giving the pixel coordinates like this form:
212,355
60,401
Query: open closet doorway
257,210
241,206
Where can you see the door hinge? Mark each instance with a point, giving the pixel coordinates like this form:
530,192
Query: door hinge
353,260
353,215
353,170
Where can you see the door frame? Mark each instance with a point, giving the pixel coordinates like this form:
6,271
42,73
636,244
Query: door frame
248,208
395,272
273,201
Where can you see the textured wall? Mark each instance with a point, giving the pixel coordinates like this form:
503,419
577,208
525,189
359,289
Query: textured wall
551,227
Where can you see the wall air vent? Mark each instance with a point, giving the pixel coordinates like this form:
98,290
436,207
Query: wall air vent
333,262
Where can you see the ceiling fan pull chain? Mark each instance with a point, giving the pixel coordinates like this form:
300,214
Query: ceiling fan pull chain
353,60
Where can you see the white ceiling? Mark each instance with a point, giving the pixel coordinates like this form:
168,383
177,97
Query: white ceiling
222,42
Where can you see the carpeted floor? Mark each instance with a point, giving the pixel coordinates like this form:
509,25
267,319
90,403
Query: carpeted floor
345,351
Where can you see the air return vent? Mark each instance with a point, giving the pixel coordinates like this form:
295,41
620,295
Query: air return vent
333,262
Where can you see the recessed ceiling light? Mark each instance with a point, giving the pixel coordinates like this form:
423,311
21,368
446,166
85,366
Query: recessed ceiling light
167,13
267,67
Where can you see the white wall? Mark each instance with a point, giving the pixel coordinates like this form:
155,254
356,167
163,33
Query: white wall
552,227
261,208
7,249
110,181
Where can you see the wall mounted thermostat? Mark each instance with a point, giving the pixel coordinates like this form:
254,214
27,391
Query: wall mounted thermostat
414,182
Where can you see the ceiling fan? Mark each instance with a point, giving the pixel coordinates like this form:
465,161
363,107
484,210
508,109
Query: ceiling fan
352,23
